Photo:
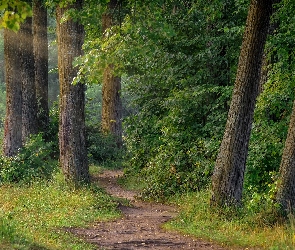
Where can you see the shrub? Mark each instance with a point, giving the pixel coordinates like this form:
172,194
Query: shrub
52,133
32,162
178,169
101,148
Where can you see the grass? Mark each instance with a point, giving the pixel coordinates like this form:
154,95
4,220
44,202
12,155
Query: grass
132,182
33,217
243,228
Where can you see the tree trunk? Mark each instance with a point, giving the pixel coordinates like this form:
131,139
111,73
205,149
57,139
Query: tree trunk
228,176
12,140
73,154
29,102
286,185
111,100
41,63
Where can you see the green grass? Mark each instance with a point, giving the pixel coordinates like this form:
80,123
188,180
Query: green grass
132,182
231,228
34,217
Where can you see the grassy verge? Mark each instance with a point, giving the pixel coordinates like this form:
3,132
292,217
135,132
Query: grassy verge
242,228
33,217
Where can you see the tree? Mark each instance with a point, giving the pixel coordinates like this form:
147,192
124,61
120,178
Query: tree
228,175
12,140
73,155
281,88
111,100
21,119
41,63
29,102
286,187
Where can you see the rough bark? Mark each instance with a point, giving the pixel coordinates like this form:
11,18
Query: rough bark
111,100
40,42
286,185
29,101
12,140
228,176
72,144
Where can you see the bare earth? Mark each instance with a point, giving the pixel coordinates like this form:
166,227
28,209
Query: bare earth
140,226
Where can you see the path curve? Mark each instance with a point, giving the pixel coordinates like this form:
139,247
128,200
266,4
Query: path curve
140,226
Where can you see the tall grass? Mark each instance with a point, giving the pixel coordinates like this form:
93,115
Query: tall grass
35,216
239,227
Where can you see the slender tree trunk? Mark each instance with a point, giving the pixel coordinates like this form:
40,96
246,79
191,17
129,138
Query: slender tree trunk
111,100
228,176
40,42
12,140
29,102
112,105
286,185
73,154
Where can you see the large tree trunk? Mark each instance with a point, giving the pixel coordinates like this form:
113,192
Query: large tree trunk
41,63
228,176
111,100
12,140
286,185
29,102
73,154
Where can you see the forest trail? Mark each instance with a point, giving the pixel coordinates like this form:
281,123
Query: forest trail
140,225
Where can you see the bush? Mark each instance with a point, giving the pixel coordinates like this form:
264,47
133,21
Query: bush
32,162
101,148
178,169
175,151
270,127
52,133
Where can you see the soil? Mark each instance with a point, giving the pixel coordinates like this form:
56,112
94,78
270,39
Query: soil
140,226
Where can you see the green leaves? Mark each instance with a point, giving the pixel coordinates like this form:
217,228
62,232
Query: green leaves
181,65
13,13
32,162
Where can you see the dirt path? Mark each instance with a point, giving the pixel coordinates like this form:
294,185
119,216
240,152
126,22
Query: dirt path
140,227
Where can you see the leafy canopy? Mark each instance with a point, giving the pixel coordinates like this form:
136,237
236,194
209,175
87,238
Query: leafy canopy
13,13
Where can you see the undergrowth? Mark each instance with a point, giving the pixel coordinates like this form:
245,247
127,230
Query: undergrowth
35,216
240,227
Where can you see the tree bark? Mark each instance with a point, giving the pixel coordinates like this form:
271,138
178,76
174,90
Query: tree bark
29,102
228,176
72,144
111,100
12,140
40,42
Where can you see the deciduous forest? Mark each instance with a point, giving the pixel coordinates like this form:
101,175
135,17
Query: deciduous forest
192,100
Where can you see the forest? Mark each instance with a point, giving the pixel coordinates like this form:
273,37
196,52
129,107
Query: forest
193,100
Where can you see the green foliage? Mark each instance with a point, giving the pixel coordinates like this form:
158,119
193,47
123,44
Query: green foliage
263,204
51,134
172,172
93,104
180,83
274,105
32,162
10,238
101,148
13,13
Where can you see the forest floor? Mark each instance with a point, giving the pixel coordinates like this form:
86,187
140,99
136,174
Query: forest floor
140,226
